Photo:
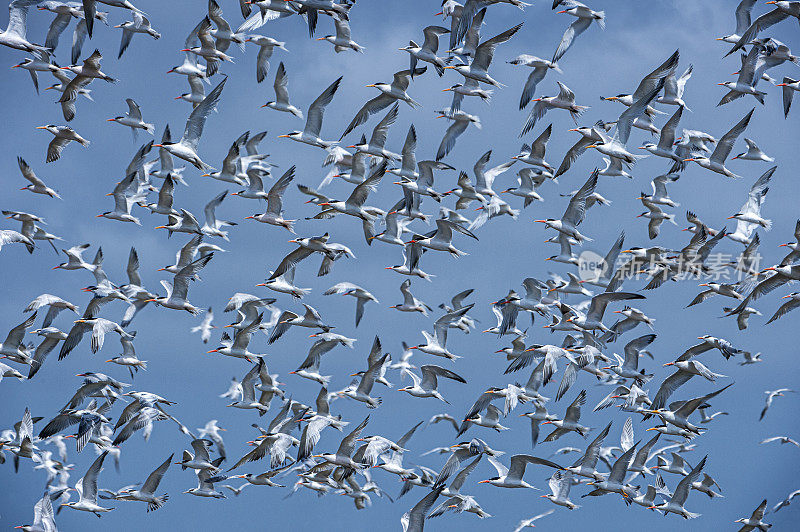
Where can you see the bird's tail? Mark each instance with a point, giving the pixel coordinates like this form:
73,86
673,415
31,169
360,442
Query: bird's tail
601,19
690,515
158,502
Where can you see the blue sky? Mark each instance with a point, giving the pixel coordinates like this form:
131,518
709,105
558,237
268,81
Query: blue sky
638,37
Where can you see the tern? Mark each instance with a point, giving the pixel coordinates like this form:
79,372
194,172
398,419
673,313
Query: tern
540,68
575,212
186,147
511,477
274,213
756,519
564,100
14,35
147,492
478,69
427,52
178,290
716,162
281,102
133,118
63,136
316,111
560,484
390,93
427,385
87,490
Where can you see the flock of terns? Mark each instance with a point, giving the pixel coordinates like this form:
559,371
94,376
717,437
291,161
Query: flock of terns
636,470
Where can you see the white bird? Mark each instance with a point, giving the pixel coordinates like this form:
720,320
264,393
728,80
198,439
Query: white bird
147,492
478,69
560,484
575,212
316,111
15,34
87,489
427,385
281,102
63,136
742,21
748,218
771,395
540,67
674,87
411,303
427,52
342,41
186,148
716,161
528,523
140,24
377,141
37,186
133,119
753,153
390,93
266,45
756,519
585,17
349,289
564,100
511,477
43,516
790,86
461,121
177,291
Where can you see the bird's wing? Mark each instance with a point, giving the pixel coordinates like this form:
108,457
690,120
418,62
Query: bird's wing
359,195
633,348
349,441
626,119
27,172
378,138
600,301
180,284
485,50
654,78
290,261
449,140
197,119
274,203
378,103
89,481
620,467
572,155
576,28
725,144
670,384
667,138
317,108
151,484
574,409
682,491
576,209
589,459
761,23
788,94
133,109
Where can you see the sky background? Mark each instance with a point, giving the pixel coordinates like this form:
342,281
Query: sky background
638,37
